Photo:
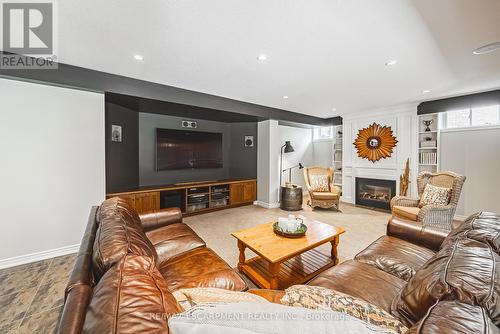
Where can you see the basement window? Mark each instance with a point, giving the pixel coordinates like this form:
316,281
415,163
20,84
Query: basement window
472,117
323,133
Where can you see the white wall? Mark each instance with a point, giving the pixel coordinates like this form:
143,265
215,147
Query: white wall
271,137
52,168
301,141
403,121
474,153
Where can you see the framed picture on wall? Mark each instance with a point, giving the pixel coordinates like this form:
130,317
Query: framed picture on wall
116,133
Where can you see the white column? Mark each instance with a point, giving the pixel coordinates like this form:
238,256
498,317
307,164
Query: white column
267,164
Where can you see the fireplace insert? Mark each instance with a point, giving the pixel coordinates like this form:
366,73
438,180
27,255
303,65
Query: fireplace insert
375,193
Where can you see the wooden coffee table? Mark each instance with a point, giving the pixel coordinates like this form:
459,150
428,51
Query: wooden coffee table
282,262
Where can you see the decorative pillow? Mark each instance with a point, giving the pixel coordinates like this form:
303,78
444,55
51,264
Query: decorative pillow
188,298
315,297
246,318
433,195
319,182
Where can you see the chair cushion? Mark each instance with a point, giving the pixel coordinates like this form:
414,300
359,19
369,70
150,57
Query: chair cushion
433,195
131,297
317,297
466,270
395,256
119,233
319,182
482,226
200,267
363,281
453,317
408,212
325,195
172,240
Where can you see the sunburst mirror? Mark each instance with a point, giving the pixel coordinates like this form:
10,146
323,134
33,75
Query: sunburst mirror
375,142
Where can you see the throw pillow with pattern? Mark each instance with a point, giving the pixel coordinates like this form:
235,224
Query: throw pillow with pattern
433,195
316,297
319,182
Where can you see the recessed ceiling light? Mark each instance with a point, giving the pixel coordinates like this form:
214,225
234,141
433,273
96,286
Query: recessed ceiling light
487,48
285,97
138,57
334,109
391,62
426,91
262,57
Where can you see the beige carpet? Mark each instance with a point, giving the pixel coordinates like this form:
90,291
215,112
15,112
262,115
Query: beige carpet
362,227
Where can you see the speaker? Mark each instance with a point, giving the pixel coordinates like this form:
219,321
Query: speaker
190,124
248,141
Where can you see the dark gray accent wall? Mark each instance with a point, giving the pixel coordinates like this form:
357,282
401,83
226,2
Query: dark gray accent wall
122,169
237,162
243,163
460,102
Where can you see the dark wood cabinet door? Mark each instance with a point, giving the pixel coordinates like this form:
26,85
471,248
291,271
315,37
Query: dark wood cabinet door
236,191
249,192
147,202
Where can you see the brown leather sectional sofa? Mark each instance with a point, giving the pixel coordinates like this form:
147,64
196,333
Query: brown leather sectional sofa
127,267
433,282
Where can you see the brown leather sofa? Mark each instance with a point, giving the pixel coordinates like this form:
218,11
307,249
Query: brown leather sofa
129,265
432,282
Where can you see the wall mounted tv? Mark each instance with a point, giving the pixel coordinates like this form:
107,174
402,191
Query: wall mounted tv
182,149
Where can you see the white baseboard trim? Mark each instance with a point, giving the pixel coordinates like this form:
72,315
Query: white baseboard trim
39,256
267,205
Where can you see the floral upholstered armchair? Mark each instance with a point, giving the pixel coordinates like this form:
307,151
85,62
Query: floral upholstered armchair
322,192
438,216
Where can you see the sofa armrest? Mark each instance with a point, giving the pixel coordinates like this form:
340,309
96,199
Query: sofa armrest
154,220
416,233
437,216
274,296
404,201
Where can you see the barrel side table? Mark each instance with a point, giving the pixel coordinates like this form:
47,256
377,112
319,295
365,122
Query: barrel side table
291,198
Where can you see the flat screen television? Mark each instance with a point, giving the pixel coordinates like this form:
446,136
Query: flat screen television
182,149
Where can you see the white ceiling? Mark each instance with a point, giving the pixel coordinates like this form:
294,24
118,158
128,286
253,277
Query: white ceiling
323,54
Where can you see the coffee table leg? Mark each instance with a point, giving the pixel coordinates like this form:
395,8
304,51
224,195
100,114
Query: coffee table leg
335,254
274,269
241,260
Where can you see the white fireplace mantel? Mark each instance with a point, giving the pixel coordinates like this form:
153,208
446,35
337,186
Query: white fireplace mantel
403,121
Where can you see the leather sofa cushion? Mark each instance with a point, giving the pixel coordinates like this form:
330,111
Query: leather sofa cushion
119,233
131,297
395,256
466,271
408,212
363,281
200,267
482,226
453,317
172,240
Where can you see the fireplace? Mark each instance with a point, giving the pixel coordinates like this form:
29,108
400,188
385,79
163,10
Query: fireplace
375,193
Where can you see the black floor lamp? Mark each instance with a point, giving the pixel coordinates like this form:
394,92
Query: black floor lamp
287,148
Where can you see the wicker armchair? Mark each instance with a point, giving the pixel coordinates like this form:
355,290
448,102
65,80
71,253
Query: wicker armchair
325,200
435,216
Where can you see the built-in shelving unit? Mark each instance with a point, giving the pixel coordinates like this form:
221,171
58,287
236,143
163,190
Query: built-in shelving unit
192,197
337,155
428,143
